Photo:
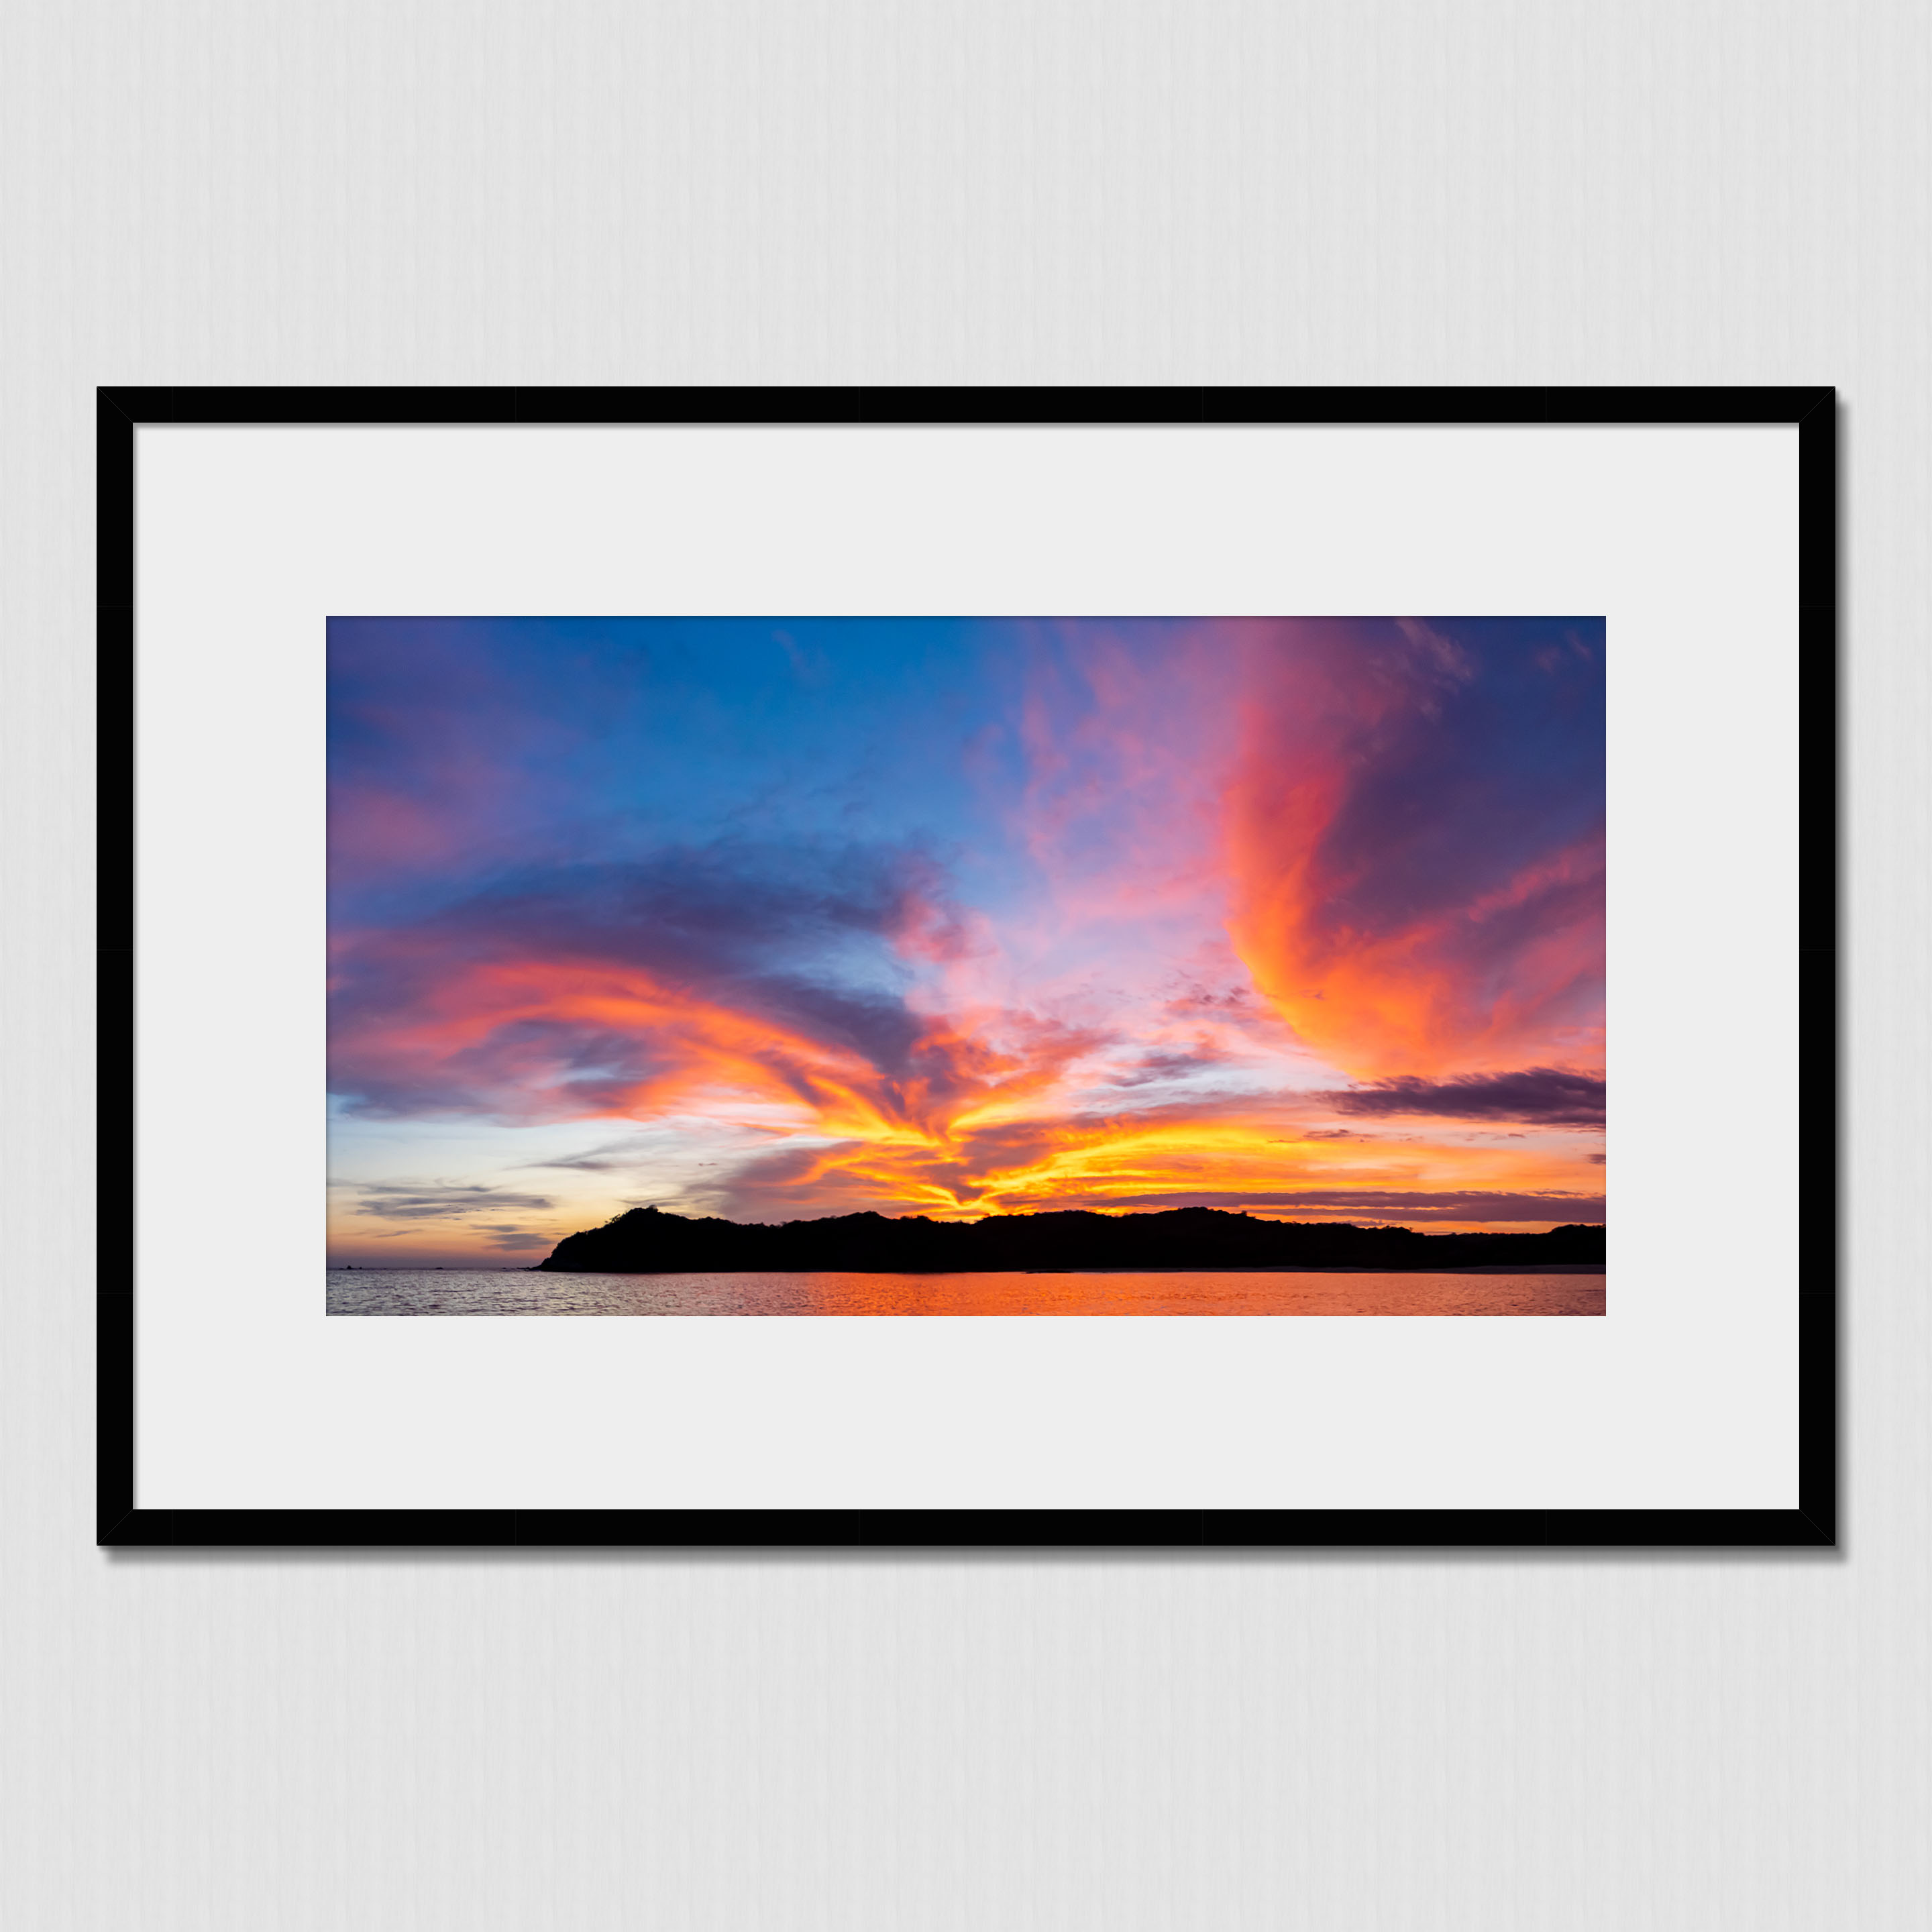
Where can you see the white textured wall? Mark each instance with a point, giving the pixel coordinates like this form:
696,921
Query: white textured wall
882,191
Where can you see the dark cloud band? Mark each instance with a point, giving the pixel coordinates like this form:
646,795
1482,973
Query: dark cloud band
1547,1096
396,1202
1356,1204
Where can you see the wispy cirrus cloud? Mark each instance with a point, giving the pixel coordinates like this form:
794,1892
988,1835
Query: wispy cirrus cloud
609,1157
395,1201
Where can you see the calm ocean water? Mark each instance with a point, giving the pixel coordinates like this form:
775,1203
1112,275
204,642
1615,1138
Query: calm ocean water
455,1291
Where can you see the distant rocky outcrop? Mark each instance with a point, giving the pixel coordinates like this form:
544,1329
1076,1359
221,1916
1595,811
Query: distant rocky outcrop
647,1240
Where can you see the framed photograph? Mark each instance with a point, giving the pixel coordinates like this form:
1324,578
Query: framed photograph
892,968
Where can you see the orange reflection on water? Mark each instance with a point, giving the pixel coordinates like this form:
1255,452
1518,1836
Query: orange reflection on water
1203,1292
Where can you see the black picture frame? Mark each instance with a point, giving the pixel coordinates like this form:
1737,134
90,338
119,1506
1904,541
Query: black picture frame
1813,1524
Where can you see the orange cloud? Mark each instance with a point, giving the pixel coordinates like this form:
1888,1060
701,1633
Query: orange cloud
1394,893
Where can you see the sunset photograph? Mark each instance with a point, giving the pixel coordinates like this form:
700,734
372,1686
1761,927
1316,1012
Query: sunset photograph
1029,965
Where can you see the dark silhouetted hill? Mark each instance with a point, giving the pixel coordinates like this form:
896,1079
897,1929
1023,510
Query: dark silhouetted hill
647,1240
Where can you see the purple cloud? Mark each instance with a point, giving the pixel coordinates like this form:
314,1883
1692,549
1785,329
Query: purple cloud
1548,1096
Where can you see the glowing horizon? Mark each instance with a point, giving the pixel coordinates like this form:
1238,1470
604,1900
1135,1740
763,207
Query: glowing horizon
779,918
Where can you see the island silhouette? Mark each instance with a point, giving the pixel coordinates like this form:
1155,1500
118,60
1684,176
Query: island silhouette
647,1240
